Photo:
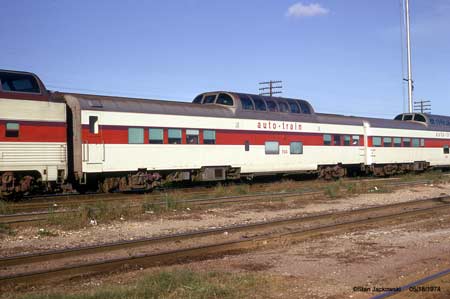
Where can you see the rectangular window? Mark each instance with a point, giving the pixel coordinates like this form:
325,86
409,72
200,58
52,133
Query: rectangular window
192,136
296,148
174,136
376,141
327,139
406,142
346,140
336,140
422,142
247,146
272,147
446,149
93,124
135,135
156,136
397,142
415,142
387,141
12,130
355,140
209,137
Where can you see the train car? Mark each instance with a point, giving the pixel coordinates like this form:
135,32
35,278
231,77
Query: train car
33,143
128,144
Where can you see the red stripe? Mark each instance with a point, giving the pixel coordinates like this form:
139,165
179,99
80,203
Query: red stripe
119,135
35,132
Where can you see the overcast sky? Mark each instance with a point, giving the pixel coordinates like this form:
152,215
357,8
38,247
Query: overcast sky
343,56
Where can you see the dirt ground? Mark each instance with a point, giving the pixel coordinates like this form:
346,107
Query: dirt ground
334,266
29,239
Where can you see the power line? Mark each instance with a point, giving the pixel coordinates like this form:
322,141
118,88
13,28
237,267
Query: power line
422,106
270,87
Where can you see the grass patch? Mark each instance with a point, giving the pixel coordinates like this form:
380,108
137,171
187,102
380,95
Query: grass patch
5,207
219,191
178,284
333,190
240,189
99,212
168,202
5,229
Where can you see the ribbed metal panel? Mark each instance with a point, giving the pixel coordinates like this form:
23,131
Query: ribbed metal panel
16,153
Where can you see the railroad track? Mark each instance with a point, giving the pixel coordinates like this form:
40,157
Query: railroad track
415,287
41,203
264,235
40,217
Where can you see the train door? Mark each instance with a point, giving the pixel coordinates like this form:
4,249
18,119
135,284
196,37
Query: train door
95,146
368,152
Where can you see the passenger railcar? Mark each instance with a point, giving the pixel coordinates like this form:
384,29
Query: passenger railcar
33,135
127,144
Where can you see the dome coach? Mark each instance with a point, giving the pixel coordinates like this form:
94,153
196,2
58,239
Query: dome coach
59,142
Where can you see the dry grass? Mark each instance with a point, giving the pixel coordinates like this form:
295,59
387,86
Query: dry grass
182,284
5,207
90,214
6,230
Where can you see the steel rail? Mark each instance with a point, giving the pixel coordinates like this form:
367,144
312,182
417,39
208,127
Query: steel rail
64,200
37,217
438,204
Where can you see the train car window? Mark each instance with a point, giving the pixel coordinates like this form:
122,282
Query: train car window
294,107
355,140
387,141
399,117
272,106
304,107
408,117
247,145
260,105
346,140
12,130
156,136
336,140
209,99
326,139
93,124
376,141
296,148
192,136
406,142
397,142
422,142
198,99
283,107
209,137
174,136
419,117
225,99
416,142
247,103
446,149
19,83
135,135
272,147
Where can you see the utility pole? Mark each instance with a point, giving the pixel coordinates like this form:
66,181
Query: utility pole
408,45
270,85
422,106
